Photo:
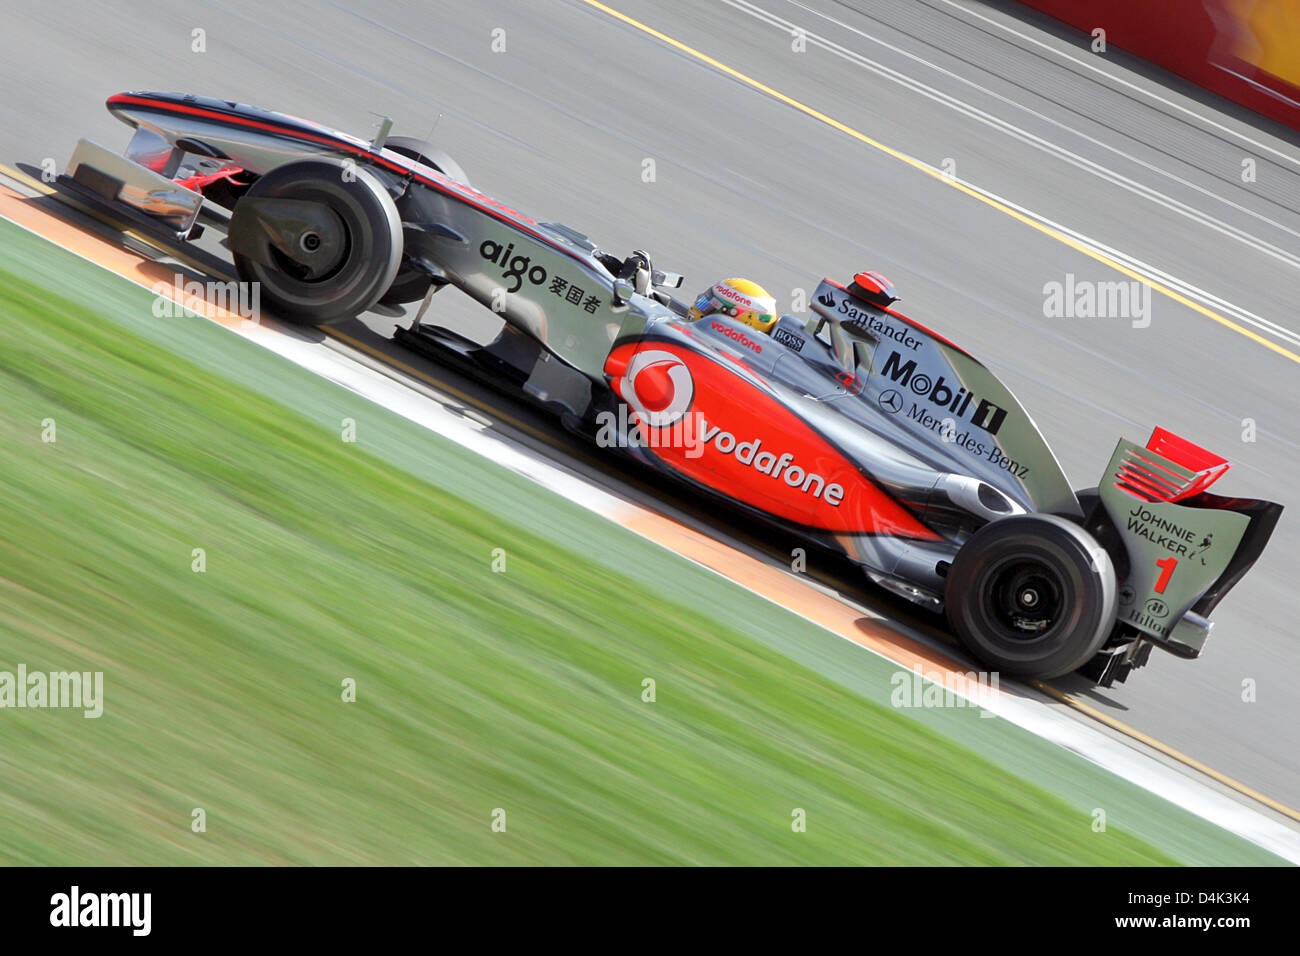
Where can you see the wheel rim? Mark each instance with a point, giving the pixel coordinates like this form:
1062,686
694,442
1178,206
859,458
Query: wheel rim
323,246
1025,598
311,252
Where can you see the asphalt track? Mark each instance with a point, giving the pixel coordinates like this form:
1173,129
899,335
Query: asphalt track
786,166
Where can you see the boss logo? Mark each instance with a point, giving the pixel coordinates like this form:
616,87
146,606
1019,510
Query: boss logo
515,268
788,338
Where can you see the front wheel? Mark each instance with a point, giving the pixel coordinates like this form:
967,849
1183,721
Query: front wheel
321,237
411,284
1033,596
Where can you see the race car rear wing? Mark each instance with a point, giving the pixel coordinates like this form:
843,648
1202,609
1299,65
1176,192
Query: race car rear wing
1178,549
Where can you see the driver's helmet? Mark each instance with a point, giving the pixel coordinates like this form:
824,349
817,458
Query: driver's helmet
739,299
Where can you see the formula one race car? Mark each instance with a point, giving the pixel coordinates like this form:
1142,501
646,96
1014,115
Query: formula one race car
859,429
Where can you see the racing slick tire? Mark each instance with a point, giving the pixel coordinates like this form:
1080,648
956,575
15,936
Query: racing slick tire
321,236
411,284
428,154
1087,498
1033,596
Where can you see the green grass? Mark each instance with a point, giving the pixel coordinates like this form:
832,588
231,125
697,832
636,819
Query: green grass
476,690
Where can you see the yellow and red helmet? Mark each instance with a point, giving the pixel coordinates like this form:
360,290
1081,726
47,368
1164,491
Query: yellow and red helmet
739,299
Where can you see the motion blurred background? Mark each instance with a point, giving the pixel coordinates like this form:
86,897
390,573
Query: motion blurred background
387,649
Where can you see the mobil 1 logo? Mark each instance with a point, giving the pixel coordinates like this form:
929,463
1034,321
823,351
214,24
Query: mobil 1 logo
941,404
938,393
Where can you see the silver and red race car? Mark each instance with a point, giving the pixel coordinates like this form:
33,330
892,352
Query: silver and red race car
859,428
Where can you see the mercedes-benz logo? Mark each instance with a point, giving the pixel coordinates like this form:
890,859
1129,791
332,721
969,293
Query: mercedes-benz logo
890,401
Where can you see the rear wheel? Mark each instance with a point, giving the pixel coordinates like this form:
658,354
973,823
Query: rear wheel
1033,596
1088,498
321,237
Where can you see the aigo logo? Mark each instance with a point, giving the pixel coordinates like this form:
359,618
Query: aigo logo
517,268
659,387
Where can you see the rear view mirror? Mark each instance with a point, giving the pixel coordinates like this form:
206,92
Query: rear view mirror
623,290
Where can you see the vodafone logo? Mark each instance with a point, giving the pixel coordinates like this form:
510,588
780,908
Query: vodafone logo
731,295
739,336
658,386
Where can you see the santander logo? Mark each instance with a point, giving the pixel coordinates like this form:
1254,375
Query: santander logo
658,386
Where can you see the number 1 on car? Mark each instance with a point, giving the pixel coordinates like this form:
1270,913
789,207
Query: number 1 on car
1166,566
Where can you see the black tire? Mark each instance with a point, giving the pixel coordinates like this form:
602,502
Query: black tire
1088,498
428,154
331,269
412,284
409,286
1032,596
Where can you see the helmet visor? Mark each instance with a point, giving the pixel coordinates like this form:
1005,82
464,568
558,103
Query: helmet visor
706,304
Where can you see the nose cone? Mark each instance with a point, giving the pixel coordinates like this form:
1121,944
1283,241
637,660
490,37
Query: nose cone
130,107
125,106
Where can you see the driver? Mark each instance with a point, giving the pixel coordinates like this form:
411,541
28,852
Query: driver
739,299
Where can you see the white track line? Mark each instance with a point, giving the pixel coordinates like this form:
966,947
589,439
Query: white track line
1148,271
1025,136
1111,76
1034,716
